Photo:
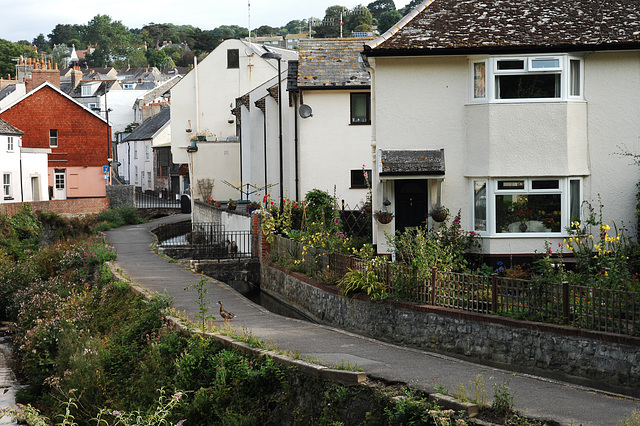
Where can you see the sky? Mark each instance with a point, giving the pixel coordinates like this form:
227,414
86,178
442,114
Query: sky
26,19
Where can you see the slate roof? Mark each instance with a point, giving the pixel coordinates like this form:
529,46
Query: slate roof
150,127
439,27
8,129
331,63
7,91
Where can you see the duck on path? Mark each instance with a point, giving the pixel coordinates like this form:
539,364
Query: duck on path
226,315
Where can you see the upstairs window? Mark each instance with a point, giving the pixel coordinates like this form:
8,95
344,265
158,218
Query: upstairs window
361,108
6,185
87,90
526,78
10,146
233,58
53,138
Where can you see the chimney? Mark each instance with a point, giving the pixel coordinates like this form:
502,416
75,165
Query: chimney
76,76
43,71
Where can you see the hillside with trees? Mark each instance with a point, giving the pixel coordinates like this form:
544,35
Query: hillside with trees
164,45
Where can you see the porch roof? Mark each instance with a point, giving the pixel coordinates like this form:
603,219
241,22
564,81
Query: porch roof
411,162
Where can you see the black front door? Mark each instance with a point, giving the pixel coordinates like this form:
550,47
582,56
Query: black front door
411,203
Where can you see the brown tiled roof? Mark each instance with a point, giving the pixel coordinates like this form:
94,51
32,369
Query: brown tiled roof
331,63
485,26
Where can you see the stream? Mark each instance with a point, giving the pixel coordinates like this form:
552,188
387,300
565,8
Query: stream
8,383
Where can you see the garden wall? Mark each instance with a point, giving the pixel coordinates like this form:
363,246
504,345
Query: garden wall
600,360
72,206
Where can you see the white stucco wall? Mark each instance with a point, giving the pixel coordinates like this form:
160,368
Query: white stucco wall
203,100
423,103
10,164
330,147
34,174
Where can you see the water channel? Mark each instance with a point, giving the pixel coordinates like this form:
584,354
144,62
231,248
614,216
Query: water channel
8,383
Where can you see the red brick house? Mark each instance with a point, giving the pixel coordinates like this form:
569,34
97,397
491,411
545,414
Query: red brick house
79,140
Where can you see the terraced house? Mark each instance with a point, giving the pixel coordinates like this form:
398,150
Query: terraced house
517,113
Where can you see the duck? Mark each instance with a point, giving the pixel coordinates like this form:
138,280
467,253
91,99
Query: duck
226,315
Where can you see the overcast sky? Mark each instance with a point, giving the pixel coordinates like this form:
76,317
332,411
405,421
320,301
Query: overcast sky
26,19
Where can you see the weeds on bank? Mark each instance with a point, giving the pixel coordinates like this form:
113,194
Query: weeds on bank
203,304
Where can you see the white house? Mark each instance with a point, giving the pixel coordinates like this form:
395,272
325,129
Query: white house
326,125
515,115
137,152
24,170
201,106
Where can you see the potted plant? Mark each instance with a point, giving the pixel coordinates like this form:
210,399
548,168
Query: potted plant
231,205
253,206
383,216
439,214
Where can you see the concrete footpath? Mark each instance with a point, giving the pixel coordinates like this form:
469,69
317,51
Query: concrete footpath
533,396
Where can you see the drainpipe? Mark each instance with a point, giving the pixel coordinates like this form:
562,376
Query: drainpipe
295,144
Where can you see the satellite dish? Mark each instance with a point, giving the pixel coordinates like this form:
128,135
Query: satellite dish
305,111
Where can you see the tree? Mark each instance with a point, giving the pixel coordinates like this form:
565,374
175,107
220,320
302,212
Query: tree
110,38
67,34
265,31
155,57
41,43
60,53
202,41
359,19
378,7
136,58
408,8
388,19
296,26
333,18
9,52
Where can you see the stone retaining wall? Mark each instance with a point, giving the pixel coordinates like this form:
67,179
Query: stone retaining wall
600,360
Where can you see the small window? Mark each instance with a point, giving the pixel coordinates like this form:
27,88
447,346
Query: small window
146,152
361,108
87,90
480,205
10,147
360,178
53,138
6,185
544,64
233,58
510,185
135,150
511,65
574,78
479,80
135,174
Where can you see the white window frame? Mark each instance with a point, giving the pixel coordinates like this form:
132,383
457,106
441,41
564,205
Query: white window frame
7,188
146,152
135,150
564,189
135,174
10,144
492,73
87,90
54,138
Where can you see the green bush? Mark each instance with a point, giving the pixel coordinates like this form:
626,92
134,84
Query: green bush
116,217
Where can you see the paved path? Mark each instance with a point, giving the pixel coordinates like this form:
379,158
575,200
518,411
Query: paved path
533,396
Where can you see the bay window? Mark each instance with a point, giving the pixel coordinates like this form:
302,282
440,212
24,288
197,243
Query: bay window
525,205
526,78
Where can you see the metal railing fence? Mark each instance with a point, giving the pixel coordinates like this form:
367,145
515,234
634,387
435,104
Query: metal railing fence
206,240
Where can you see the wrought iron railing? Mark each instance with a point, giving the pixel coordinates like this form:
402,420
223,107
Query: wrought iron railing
206,241
156,200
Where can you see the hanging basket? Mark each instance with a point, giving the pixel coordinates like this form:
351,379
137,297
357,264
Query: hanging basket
439,214
383,217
